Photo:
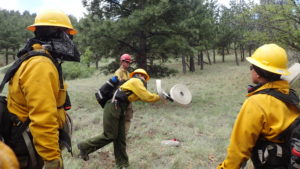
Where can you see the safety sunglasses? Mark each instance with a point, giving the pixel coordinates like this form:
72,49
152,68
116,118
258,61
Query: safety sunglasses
251,67
126,61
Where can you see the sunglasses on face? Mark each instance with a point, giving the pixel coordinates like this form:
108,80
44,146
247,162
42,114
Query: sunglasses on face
126,61
251,67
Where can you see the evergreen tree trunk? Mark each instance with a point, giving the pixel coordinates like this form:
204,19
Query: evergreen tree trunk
14,53
6,56
183,61
202,61
199,58
242,53
97,63
223,54
151,61
235,54
192,64
214,55
249,51
142,56
207,54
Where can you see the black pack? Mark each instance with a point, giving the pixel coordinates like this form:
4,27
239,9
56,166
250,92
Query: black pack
286,155
5,125
107,90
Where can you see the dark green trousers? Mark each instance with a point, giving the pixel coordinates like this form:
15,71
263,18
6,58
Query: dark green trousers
114,131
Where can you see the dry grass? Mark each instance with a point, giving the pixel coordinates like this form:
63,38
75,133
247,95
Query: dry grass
203,127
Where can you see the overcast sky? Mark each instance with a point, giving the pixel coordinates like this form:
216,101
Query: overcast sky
71,7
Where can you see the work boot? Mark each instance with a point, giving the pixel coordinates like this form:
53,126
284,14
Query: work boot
83,154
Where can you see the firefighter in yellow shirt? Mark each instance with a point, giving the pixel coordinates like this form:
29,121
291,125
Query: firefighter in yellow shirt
37,92
262,117
122,72
123,75
113,117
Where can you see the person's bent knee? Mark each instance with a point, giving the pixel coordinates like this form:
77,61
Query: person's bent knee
111,136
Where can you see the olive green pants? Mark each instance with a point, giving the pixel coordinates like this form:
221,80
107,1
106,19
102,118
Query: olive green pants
128,116
114,131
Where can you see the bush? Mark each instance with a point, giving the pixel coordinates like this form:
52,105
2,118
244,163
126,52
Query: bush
74,70
159,71
110,68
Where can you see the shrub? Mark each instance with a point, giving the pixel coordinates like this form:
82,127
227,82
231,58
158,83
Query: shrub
74,70
110,68
161,71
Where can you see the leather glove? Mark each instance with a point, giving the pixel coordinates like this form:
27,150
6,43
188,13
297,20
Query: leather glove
167,96
53,164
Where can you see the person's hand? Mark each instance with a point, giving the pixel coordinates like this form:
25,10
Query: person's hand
53,164
167,96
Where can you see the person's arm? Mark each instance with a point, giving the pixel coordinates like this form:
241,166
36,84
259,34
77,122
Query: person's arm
40,86
246,130
140,90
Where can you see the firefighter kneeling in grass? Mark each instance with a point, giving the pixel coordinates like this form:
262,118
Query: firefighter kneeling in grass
267,126
113,117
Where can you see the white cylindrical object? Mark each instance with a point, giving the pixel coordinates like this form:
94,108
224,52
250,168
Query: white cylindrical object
295,73
158,87
181,94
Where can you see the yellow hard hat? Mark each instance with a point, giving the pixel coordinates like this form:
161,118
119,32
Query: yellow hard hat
8,159
52,17
141,71
270,57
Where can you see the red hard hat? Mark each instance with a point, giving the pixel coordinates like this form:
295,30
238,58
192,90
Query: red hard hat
125,57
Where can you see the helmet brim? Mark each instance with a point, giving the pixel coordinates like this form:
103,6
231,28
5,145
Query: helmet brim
267,67
33,28
133,73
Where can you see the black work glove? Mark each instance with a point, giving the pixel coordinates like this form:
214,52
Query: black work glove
167,96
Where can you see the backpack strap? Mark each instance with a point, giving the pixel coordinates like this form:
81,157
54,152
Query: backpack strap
287,133
291,98
13,69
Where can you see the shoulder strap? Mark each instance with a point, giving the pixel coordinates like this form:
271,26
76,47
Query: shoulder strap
13,69
287,133
291,98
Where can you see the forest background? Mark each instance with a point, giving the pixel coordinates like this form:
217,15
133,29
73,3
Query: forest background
194,42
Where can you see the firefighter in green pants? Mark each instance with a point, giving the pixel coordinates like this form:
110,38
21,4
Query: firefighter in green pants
113,118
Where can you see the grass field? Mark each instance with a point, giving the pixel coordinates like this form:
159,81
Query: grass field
203,127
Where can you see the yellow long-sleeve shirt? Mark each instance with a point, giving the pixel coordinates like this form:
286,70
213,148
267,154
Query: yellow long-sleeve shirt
260,114
122,74
34,92
139,91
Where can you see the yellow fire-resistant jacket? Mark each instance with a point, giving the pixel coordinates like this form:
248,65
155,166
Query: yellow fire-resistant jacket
34,92
139,91
122,74
260,114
